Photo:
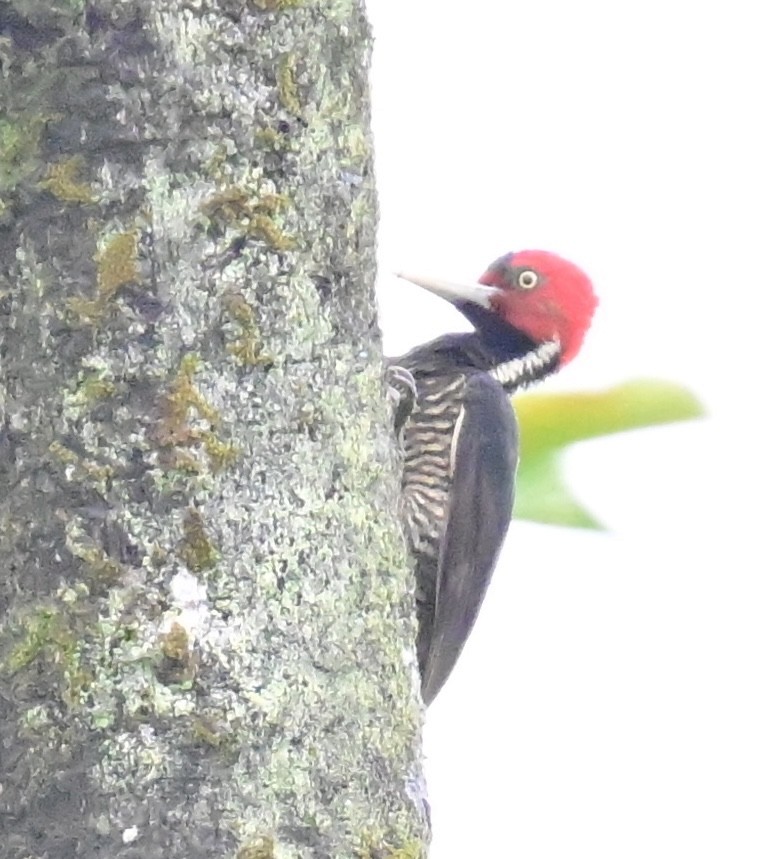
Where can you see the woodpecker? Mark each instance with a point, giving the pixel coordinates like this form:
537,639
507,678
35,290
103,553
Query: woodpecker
530,311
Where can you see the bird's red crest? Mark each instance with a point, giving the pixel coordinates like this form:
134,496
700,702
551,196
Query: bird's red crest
544,296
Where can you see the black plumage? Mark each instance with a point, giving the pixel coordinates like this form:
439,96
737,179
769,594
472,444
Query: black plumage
461,449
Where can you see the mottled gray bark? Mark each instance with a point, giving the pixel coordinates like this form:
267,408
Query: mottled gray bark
206,643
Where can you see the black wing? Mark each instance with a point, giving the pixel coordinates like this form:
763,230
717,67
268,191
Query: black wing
484,457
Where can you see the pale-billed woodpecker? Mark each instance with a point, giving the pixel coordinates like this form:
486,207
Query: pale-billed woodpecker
530,311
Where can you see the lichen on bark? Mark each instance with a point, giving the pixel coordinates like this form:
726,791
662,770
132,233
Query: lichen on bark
206,635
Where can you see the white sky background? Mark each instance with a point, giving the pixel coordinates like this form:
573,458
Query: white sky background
619,696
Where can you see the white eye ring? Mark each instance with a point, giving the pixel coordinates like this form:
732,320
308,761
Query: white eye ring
527,279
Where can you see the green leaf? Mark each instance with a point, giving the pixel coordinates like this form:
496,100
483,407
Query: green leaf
551,422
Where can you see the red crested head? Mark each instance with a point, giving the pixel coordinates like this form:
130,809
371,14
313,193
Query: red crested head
544,296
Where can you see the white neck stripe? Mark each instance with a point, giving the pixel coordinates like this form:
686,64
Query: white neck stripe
521,372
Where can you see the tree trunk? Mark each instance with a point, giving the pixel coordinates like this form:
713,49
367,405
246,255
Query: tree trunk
206,636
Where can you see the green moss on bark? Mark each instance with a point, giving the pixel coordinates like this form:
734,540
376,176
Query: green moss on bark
206,568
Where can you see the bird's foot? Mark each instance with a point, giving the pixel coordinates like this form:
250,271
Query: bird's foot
402,394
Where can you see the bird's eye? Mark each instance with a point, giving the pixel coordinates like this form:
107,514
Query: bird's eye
528,279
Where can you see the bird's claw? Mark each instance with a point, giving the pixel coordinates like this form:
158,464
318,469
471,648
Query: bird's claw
402,394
